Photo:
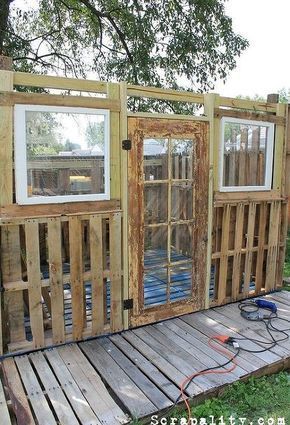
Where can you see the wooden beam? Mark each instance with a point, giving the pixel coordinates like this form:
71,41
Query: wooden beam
63,83
10,99
209,108
249,115
247,104
158,93
15,211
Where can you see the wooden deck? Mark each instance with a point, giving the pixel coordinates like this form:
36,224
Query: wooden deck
136,373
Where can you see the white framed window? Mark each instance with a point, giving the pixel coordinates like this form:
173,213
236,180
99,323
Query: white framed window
246,155
62,154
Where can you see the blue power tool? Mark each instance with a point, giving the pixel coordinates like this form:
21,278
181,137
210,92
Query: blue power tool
267,304
250,309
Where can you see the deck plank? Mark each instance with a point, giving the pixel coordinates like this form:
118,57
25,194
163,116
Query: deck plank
16,393
73,393
210,328
231,317
159,361
200,341
174,360
195,365
143,382
53,390
4,412
127,391
92,386
34,392
198,348
165,385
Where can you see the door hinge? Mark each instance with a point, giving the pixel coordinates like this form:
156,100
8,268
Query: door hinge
128,304
126,144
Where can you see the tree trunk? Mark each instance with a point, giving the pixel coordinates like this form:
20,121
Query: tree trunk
4,14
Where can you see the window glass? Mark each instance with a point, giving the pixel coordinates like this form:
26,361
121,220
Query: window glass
247,151
61,154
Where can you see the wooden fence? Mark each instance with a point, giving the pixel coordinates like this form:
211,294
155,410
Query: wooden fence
65,267
51,298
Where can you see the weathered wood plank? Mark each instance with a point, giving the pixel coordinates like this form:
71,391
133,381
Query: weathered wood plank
11,271
141,380
147,367
54,82
86,377
116,318
249,246
211,327
12,98
34,392
224,254
186,345
96,257
236,279
76,272
55,279
53,390
4,412
159,360
127,391
15,211
261,242
273,241
34,285
16,393
74,394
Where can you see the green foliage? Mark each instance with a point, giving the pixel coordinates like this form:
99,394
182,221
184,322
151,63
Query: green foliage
95,134
165,43
287,257
266,397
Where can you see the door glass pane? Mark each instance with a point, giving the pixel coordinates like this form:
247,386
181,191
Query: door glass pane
155,286
181,242
182,158
181,201
155,203
155,246
180,282
155,159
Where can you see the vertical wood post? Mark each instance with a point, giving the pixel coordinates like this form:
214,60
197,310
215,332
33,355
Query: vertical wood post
124,198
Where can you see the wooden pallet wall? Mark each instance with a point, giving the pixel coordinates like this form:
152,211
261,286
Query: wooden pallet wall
63,301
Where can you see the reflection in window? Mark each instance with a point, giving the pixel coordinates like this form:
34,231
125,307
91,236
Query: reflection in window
247,151
64,154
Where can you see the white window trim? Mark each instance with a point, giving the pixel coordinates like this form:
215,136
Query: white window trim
269,156
22,197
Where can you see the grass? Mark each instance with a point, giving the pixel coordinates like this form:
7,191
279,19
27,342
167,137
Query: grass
266,397
287,257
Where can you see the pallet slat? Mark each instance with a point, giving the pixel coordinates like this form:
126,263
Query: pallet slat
55,278
96,257
76,272
53,390
77,400
34,392
115,273
16,393
34,288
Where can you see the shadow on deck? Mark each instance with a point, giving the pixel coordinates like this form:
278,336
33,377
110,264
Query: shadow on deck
136,373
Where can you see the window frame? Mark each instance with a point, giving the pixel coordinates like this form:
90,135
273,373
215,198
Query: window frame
20,155
268,161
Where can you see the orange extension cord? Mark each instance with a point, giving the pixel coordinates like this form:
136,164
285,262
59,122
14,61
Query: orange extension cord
222,350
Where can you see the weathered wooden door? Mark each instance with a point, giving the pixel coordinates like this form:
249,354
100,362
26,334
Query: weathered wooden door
168,210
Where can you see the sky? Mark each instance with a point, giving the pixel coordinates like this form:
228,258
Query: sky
265,66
